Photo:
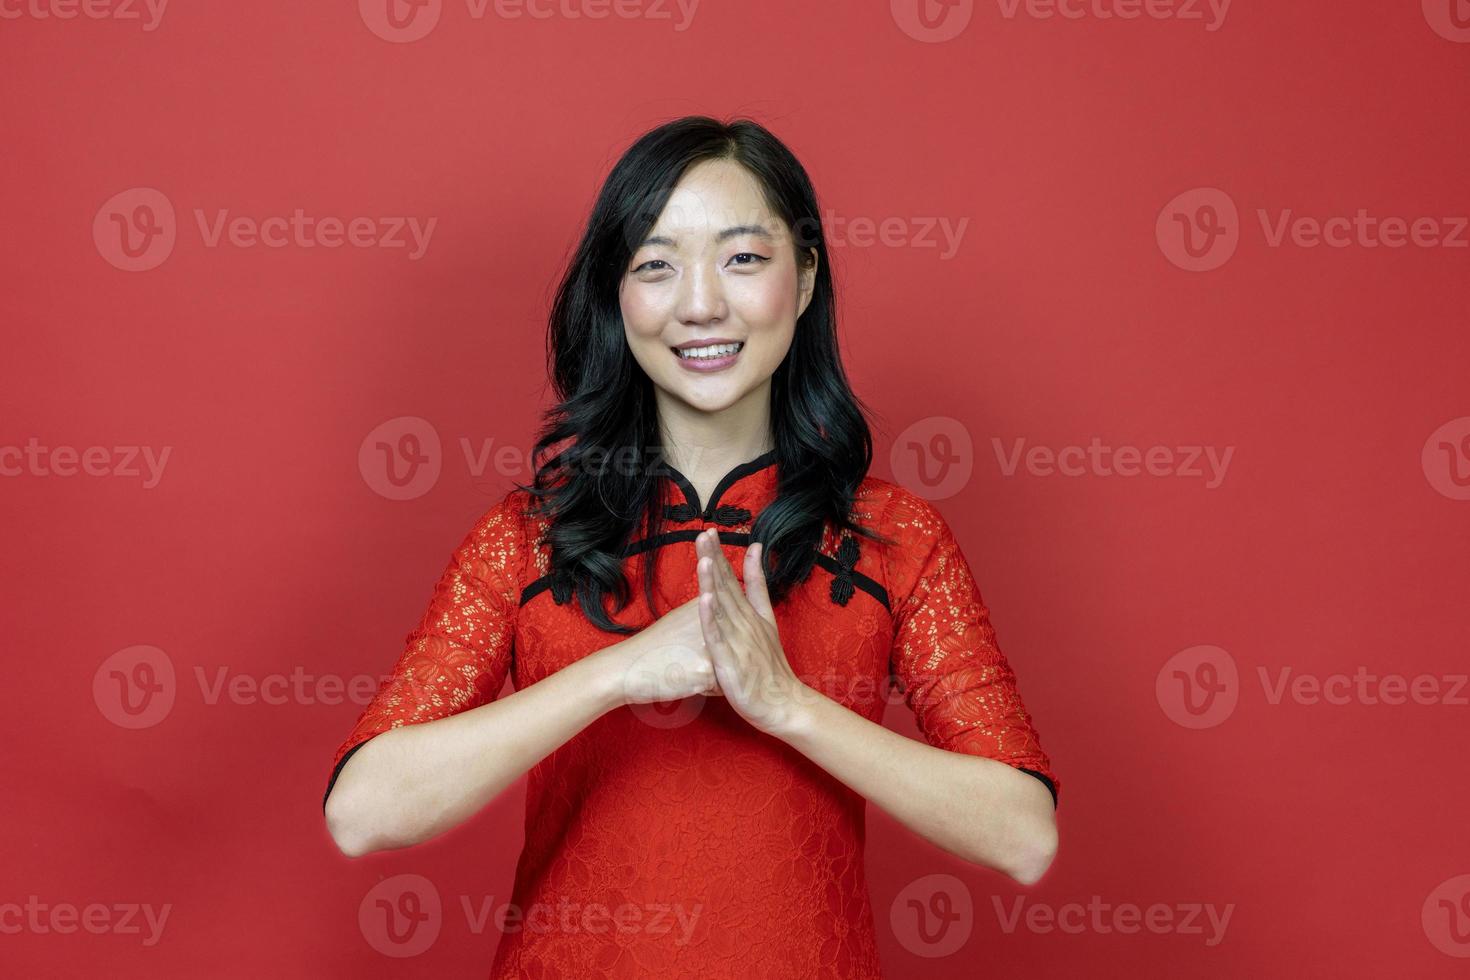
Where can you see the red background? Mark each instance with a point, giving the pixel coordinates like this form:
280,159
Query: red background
264,549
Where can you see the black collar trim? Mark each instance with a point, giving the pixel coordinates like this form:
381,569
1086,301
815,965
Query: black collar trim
839,568
691,496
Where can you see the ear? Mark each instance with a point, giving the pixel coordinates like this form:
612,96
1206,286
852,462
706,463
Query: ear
806,283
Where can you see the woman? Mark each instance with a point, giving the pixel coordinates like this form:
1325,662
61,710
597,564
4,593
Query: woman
702,598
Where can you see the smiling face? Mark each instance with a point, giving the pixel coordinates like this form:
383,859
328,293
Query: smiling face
718,270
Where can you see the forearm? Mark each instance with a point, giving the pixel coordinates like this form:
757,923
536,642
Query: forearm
412,783
977,808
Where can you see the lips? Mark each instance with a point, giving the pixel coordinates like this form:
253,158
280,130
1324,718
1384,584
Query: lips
727,357
709,351
706,342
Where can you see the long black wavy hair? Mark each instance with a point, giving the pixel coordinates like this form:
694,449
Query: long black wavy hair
600,490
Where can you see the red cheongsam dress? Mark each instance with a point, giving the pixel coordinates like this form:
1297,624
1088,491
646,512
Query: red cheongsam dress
684,806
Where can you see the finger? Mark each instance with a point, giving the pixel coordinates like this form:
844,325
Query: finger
728,670
713,690
727,586
733,611
730,618
705,569
714,637
709,544
755,582
712,576
705,572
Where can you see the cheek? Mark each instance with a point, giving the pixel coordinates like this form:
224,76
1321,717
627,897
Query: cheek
643,313
769,300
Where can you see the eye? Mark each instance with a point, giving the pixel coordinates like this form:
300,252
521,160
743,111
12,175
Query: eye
756,259
649,266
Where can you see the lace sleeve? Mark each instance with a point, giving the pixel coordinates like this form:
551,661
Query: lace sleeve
953,675
458,655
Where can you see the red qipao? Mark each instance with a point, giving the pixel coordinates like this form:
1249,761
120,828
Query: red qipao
753,853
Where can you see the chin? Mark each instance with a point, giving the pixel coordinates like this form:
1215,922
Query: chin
708,398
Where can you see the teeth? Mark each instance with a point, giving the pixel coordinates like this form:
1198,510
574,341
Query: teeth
701,353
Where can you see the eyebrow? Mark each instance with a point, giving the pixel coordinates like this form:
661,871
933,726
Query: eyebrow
760,231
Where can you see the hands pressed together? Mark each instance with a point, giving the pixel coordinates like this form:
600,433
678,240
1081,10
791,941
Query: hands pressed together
723,642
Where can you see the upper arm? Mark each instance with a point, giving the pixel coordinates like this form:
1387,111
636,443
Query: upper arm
955,678
458,655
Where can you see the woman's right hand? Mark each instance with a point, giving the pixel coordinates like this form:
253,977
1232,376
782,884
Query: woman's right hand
667,660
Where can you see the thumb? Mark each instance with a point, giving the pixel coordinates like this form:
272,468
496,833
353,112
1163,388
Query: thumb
755,582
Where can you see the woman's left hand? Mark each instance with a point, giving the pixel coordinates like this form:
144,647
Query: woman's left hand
741,636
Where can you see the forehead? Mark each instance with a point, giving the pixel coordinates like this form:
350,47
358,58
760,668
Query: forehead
712,195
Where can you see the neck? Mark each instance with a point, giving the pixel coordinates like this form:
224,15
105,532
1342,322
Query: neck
704,446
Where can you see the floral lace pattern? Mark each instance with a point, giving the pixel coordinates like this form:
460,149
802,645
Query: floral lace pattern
717,850
956,680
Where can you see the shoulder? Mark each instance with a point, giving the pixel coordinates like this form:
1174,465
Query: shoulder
503,536
506,515
897,512
921,537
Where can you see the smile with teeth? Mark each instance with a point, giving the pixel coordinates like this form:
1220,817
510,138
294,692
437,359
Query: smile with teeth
709,353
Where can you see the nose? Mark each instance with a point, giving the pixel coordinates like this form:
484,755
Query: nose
701,296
